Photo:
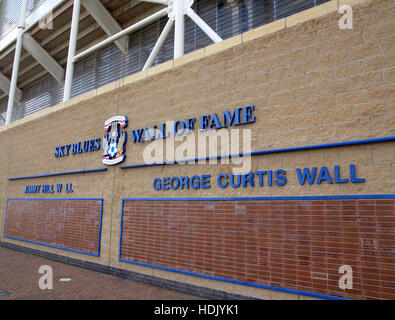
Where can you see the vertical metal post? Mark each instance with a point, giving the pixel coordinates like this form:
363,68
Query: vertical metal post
72,49
17,59
179,28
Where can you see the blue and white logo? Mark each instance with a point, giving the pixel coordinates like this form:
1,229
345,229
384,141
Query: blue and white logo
114,143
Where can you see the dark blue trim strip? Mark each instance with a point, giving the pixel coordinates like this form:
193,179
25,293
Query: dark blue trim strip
120,231
259,153
100,227
369,196
310,294
58,174
53,246
256,285
54,199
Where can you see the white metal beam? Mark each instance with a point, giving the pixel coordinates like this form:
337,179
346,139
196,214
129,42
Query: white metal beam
132,28
43,57
63,61
159,44
5,84
72,48
204,26
106,21
55,51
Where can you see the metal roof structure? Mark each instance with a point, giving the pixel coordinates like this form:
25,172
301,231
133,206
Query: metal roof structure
52,37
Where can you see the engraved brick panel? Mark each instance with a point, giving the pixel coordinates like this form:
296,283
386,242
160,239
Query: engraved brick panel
67,224
294,244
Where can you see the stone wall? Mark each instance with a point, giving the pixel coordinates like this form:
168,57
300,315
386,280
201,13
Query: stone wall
324,98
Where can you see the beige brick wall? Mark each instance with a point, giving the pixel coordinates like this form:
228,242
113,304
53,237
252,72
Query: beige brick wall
311,83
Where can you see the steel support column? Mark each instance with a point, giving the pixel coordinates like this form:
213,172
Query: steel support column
179,29
72,49
17,58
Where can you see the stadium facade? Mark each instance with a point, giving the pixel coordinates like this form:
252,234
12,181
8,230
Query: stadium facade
229,149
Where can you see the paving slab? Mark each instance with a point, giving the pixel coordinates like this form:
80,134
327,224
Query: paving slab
19,280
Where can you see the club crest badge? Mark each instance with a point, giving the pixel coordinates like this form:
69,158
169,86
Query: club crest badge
114,143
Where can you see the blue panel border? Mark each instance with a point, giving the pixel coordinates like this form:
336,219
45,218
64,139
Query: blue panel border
58,174
259,153
58,247
310,294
